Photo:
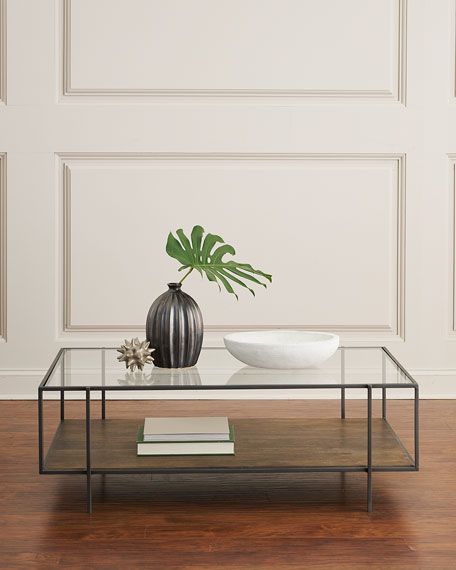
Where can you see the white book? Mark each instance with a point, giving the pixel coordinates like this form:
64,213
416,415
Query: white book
185,447
193,429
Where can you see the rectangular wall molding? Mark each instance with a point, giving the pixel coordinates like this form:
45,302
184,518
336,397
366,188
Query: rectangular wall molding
453,53
2,51
80,71
452,316
82,164
3,246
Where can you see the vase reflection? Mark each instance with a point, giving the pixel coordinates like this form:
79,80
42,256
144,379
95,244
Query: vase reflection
163,377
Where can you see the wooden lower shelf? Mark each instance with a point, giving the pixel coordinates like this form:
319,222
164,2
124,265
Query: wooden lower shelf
264,442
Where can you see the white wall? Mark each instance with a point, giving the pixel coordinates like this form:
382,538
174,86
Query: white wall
317,136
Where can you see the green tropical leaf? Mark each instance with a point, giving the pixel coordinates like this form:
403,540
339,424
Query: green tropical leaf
203,253
175,249
210,275
197,238
216,257
185,242
209,241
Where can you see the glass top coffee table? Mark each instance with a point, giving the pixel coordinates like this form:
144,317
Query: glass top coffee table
99,445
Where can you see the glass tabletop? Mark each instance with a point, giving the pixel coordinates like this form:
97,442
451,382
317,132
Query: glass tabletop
98,368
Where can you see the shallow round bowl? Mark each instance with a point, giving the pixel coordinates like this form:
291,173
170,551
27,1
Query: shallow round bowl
282,349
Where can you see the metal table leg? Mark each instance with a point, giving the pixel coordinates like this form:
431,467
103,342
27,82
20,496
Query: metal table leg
369,449
62,392
40,429
417,427
342,379
62,405
88,453
103,383
383,389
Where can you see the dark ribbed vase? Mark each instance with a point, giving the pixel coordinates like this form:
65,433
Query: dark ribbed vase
174,327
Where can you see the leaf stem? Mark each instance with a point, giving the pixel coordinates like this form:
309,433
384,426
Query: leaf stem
186,275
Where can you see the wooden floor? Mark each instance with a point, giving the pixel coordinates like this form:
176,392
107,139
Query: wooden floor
229,521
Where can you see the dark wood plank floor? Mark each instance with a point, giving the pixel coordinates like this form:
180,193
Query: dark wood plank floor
230,521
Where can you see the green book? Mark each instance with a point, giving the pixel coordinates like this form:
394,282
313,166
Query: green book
185,447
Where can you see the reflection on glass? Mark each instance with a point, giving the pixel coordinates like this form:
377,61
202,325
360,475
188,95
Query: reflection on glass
216,367
163,377
261,376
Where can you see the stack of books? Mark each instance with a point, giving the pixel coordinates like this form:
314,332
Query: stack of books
186,436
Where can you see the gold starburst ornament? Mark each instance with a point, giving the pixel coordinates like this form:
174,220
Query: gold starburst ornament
135,354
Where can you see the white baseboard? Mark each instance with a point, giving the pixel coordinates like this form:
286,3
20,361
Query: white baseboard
434,384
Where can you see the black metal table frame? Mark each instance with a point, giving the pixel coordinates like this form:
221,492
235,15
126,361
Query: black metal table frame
368,468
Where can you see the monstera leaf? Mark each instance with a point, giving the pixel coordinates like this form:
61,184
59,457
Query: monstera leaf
202,252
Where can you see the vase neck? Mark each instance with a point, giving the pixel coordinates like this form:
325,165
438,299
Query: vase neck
175,286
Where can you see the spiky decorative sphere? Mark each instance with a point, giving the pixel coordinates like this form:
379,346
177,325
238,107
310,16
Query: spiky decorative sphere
135,354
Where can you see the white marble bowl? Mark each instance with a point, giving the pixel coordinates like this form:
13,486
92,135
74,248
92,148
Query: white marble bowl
282,349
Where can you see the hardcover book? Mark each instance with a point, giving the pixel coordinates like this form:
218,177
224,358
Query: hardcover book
186,429
178,447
